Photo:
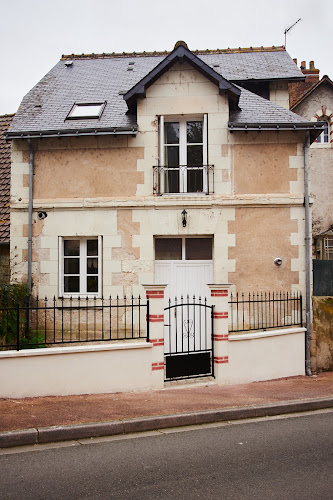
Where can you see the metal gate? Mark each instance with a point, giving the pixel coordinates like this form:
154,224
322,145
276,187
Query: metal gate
188,339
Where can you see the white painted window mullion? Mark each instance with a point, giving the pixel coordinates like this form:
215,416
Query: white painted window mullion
162,154
205,154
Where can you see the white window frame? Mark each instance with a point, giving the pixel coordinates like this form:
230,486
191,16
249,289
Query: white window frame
184,238
86,110
83,267
182,120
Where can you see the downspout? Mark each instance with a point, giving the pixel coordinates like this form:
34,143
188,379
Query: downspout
307,259
31,173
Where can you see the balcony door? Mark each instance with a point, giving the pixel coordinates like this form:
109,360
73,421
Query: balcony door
183,155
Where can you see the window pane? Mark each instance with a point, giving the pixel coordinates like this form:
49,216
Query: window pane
71,247
194,132
92,266
195,180
171,181
86,111
172,156
194,155
72,284
92,284
72,266
92,247
198,248
168,249
171,133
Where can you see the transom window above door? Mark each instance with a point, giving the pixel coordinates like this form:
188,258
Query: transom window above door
183,248
183,156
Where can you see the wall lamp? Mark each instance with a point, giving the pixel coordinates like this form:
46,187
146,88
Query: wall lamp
184,219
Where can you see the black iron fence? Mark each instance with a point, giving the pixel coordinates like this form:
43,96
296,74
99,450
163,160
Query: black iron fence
264,310
43,322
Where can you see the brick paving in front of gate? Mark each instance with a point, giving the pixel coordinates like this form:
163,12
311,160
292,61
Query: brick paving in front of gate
174,399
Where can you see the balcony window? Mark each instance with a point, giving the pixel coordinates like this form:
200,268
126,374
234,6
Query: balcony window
183,156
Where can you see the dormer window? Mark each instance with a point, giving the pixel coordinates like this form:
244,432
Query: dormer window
86,110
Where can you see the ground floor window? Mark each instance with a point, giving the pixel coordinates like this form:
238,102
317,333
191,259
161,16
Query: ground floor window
80,262
190,248
324,248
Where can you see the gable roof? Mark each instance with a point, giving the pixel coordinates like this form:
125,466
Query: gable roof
5,151
181,54
108,77
325,80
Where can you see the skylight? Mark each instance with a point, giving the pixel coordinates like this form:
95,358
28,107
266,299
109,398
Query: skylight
86,110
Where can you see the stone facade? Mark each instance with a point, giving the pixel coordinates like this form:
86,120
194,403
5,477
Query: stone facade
103,186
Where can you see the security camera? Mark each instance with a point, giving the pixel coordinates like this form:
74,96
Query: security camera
41,215
278,261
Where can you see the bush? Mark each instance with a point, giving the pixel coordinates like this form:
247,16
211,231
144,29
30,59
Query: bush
12,296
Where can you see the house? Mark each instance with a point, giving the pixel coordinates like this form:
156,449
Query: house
5,121
183,169
316,103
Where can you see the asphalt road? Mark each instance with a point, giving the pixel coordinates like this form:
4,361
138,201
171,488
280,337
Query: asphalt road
273,458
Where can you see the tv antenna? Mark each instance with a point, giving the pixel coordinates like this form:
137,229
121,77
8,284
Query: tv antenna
288,29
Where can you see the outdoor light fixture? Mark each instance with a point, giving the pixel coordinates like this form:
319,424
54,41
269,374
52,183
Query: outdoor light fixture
184,220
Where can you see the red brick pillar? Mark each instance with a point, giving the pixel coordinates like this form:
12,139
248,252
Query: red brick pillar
220,300
155,293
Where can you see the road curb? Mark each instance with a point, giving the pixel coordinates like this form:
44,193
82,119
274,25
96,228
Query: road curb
42,435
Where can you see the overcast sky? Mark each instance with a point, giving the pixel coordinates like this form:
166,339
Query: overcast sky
35,33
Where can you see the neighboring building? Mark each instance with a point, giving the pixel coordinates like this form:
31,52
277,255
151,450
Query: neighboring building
182,168
316,104
5,149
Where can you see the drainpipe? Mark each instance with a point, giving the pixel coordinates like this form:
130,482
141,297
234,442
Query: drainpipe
307,259
31,173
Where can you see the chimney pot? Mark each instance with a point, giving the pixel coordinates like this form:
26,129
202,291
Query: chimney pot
312,66
295,61
303,65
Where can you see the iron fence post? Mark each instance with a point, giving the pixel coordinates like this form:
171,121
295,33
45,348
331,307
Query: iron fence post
17,327
147,319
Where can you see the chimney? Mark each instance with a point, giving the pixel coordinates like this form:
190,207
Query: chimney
297,89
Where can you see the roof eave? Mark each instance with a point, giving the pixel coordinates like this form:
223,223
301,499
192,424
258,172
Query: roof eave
71,133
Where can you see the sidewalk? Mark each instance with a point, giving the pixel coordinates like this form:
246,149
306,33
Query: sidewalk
48,419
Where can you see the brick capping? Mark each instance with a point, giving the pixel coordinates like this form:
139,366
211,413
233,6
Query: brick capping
157,342
156,318
221,337
157,366
219,293
155,294
220,315
221,359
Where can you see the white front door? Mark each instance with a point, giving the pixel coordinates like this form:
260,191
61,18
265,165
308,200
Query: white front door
184,278
187,321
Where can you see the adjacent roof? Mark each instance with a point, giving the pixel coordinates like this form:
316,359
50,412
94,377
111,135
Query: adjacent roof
111,77
325,80
5,151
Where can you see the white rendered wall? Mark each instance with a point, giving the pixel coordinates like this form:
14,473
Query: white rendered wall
92,369
265,355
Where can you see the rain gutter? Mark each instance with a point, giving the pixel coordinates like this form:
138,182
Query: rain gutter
69,133
307,259
31,177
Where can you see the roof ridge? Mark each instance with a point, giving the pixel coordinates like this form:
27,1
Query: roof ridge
107,55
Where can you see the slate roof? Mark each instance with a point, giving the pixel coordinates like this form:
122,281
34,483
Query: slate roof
5,151
107,77
257,110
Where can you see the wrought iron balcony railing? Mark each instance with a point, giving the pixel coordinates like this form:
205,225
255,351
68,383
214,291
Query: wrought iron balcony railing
183,179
